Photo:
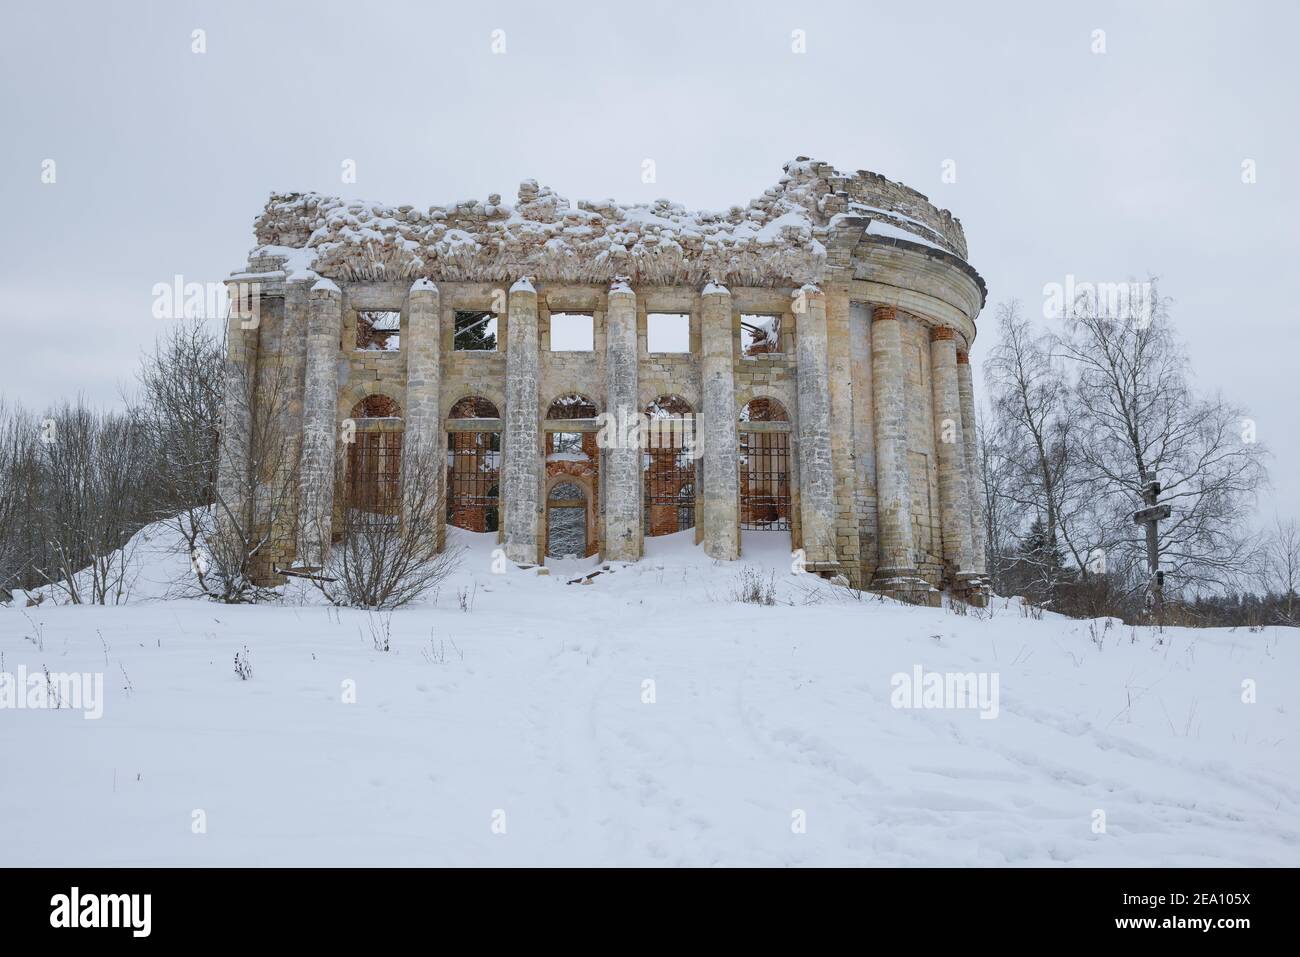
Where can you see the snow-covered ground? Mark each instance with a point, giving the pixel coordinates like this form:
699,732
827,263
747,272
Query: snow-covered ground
644,718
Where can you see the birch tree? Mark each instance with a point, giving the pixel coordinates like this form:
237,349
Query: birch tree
1037,442
1135,404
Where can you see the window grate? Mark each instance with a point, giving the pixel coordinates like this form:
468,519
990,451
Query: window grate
765,481
669,486
374,473
473,480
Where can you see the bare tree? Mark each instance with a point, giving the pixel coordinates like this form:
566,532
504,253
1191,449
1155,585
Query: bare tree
1034,447
1142,419
388,555
75,487
93,469
1001,518
1281,568
179,408
18,498
254,497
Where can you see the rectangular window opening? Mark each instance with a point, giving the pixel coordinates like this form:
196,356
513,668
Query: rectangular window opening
573,332
379,330
475,332
760,335
668,332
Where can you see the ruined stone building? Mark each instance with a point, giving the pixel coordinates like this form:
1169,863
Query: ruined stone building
817,341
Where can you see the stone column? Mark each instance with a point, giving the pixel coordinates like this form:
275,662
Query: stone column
954,499
894,497
970,449
622,459
233,464
319,414
423,446
841,377
521,473
816,476
717,367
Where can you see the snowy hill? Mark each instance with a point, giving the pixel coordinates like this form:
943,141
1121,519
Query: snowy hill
644,718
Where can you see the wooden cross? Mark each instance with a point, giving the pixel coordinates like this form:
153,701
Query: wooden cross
1151,516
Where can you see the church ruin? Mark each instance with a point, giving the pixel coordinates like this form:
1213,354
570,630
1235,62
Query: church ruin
799,364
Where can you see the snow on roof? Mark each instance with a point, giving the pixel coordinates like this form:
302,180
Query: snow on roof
878,227
779,238
280,262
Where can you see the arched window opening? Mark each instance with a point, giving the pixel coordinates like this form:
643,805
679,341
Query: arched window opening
668,405
764,462
566,521
473,468
573,461
572,406
473,407
763,409
765,480
669,464
373,471
377,407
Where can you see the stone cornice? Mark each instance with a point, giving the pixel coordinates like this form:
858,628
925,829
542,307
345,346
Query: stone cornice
803,230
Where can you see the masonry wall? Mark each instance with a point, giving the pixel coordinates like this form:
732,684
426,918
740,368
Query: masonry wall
668,373
472,373
280,360
849,488
850,415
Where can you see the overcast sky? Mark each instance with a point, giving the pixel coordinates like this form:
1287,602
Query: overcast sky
1104,166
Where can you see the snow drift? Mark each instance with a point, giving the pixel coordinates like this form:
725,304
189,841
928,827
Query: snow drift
642,716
